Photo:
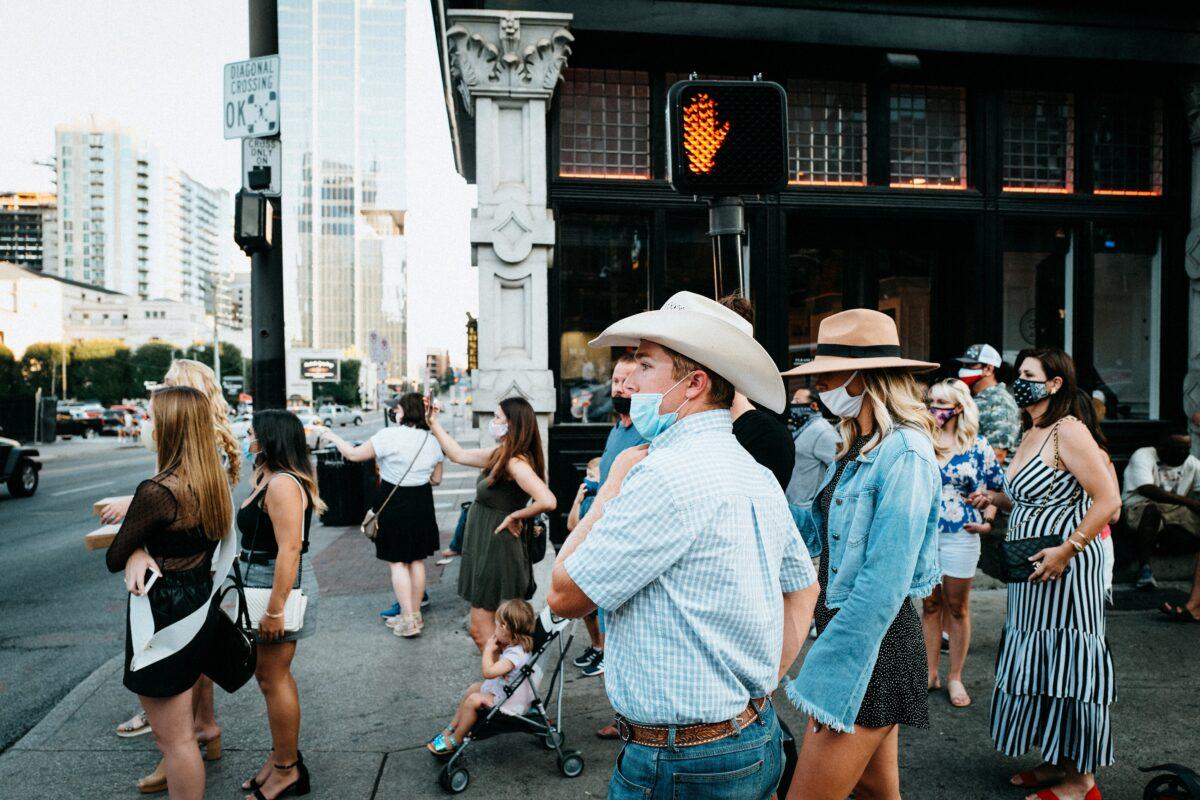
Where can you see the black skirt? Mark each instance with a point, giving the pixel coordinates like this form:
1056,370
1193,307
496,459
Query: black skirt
408,529
173,597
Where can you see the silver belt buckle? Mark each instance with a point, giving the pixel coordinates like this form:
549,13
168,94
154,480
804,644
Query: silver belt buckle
624,732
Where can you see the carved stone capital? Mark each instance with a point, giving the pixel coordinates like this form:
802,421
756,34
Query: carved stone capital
506,53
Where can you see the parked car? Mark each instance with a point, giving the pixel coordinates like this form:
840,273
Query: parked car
338,415
75,422
19,467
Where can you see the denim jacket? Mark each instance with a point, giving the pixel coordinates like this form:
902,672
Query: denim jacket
882,550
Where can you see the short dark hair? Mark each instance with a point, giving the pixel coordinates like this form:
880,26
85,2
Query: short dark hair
720,391
1056,364
413,407
739,305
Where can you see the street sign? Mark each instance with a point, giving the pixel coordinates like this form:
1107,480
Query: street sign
232,383
262,166
252,98
379,349
320,369
727,137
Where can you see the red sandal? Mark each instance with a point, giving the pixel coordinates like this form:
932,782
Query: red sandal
1047,794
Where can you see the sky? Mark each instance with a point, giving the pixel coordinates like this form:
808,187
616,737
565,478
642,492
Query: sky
155,66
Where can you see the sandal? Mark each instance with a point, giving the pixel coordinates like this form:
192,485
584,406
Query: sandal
156,781
1173,613
301,786
134,726
1029,777
959,699
1048,794
442,745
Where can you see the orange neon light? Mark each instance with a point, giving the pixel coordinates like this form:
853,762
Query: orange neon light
605,175
952,186
1040,189
702,136
1129,192
826,183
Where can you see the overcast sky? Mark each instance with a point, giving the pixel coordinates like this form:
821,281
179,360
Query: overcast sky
156,67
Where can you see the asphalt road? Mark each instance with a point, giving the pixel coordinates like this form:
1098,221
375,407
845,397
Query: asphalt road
61,611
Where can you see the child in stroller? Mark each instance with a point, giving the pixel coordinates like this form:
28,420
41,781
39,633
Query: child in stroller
503,656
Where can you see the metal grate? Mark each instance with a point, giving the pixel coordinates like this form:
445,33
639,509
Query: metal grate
1128,145
1039,142
928,137
604,124
827,133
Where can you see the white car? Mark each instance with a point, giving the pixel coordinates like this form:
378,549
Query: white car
338,415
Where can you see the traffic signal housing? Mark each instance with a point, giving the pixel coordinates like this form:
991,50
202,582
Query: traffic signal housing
727,137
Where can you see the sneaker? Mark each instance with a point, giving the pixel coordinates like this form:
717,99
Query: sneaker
945,642
596,667
425,600
1145,578
390,612
585,658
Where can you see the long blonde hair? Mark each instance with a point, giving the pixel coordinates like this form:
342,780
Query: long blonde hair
956,393
187,448
186,372
894,400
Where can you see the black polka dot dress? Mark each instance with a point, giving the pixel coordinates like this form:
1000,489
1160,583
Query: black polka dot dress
897,693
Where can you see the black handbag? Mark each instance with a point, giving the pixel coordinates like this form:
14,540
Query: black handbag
232,650
1015,566
535,548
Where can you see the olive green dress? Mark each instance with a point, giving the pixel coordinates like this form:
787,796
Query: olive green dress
495,566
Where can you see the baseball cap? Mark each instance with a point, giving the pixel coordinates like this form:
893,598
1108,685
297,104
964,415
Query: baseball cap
980,354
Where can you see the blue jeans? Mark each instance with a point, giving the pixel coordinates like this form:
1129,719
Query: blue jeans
742,767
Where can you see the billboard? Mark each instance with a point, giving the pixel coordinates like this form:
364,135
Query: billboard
320,369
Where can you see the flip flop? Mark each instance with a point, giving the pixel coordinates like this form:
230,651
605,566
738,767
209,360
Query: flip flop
955,697
1177,613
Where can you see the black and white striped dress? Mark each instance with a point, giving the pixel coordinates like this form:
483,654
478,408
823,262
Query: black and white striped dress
1054,673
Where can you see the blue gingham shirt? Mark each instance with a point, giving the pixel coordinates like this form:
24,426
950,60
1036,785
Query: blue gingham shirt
690,563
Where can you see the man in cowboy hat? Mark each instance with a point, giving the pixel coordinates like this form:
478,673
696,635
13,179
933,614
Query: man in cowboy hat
691,550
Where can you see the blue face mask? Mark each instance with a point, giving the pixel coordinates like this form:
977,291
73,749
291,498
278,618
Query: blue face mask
592,486
249,456
643,410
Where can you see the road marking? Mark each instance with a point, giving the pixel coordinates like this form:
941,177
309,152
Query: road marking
82,488
100,465
453,491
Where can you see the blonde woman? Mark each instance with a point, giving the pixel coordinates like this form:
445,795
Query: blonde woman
171,530
193,374
968,465
874,523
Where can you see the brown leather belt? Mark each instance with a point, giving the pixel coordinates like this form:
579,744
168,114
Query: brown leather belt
689,735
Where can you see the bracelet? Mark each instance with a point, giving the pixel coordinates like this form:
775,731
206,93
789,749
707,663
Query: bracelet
274,616
1079,548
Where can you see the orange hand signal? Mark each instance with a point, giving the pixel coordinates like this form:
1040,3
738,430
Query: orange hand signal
702,136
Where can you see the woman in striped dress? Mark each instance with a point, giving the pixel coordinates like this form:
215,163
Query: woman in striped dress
1054,675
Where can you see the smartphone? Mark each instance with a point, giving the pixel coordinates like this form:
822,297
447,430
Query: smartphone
150,581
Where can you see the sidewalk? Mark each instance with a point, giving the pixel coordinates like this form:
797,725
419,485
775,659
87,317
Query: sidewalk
370,700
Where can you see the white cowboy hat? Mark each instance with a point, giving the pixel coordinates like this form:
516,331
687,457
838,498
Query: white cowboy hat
709,334
856,339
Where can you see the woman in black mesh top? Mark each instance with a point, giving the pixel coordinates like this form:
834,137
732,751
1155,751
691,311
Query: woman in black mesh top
171,530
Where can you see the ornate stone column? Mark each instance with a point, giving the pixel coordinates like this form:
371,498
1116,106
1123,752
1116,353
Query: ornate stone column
505,66
1191,383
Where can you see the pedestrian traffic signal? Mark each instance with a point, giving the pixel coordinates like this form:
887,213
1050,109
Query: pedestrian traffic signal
727,137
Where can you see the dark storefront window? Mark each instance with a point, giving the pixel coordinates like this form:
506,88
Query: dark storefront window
1127,321
604,124
816,265
827,133
1039,142
1037,264
603,272
928,137
1128,145
689,264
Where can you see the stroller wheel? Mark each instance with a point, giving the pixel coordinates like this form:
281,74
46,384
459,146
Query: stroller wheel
571,764
553,740
454,780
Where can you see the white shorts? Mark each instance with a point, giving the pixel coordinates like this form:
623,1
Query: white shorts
958,553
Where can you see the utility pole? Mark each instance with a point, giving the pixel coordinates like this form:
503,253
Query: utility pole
266,276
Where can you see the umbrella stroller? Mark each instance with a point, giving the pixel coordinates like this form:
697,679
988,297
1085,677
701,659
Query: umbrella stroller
535,721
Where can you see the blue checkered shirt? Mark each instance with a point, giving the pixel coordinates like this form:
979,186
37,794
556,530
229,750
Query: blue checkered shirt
690,563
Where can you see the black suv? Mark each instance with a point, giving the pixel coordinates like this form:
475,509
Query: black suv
19,467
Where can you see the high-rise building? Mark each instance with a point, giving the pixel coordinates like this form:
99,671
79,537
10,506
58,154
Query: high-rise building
344,173
25,220
198,231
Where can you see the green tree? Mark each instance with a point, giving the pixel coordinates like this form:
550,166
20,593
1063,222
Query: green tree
150,362
100,369
345,391
231,356
41,367
11,384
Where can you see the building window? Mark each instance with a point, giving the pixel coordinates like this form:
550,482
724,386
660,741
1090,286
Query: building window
827,133
928,137
1128,145
1128,287
1037,271
1039,142
604,124
604,269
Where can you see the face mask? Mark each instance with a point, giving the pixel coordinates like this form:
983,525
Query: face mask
969,376
800,414
943,415
842,403
498,429
246,452
1027,392
592,486
643,409
621,405
148,440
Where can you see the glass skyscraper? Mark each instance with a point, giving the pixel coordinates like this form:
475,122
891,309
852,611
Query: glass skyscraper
342,101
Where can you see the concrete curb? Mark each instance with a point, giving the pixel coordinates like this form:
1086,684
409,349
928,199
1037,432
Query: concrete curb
42,733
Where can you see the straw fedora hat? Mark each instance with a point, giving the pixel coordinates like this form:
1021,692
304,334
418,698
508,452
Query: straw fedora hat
857,339
712,336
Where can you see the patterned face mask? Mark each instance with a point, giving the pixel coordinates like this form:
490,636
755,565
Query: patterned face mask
1027,392
943,415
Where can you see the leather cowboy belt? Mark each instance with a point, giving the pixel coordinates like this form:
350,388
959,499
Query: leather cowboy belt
689,735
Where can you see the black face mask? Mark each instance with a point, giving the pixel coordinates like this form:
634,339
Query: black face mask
799,414
621,405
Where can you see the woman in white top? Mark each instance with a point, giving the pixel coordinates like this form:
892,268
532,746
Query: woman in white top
410,463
